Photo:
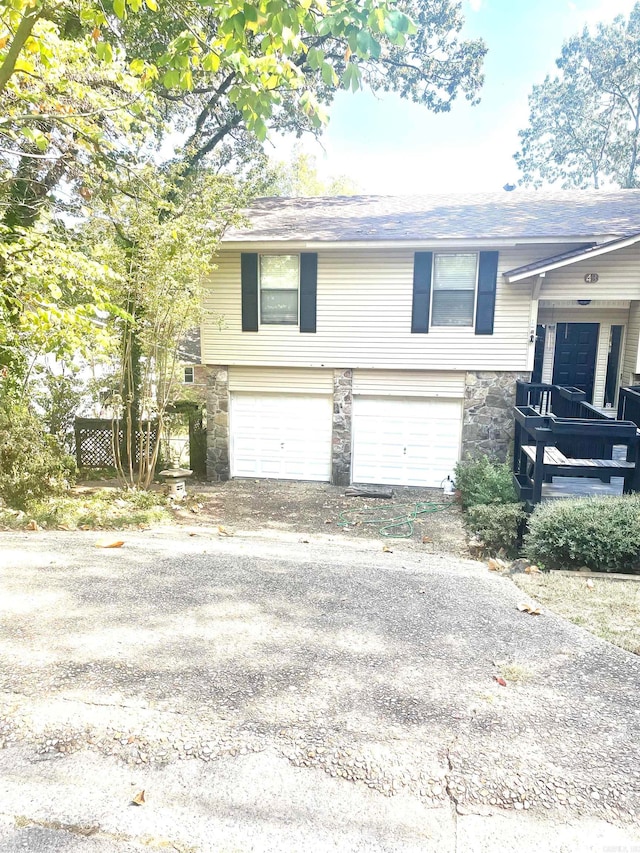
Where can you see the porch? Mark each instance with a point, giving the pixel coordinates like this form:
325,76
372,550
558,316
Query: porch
566,447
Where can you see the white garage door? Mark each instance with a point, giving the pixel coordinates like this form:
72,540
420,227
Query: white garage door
286,436
414,442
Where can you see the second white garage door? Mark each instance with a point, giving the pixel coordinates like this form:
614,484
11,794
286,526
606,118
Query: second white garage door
409,442
285,436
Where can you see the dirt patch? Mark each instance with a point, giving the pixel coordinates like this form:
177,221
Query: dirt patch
321,509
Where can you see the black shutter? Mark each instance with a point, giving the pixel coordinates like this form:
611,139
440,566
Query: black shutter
308,291
249,277
487,279
422,263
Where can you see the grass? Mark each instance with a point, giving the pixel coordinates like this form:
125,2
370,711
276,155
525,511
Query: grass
515,673
103,509
610,609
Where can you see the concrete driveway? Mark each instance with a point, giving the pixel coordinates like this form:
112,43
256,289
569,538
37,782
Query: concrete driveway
268,694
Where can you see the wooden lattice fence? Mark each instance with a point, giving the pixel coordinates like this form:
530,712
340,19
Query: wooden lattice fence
94,442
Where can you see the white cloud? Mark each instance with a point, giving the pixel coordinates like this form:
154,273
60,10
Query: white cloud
475,5
603,11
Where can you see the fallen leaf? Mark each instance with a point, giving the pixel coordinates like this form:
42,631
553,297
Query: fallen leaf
532,570
304,541
528,608
387,550
139,799
426,540
496,565
109,543
328,521
63,527
33,525
589,584
500,680
223,531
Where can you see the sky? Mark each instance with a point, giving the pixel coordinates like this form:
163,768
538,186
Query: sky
390,146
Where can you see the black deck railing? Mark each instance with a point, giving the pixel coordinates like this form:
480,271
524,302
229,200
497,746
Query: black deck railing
553,416
629,404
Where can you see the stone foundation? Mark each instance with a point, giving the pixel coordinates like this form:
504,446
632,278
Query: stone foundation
487,425
217,423
341,435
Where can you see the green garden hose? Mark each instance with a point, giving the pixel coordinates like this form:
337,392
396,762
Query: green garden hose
394,520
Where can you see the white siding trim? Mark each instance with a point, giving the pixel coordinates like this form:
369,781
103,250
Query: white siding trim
408,383
549,354
291,380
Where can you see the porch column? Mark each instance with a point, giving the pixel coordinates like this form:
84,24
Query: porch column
217,422
342,421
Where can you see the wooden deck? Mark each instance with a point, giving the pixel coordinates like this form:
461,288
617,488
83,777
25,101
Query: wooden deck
586,487
564,446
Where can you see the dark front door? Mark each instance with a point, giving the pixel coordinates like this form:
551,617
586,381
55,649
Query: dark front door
575,356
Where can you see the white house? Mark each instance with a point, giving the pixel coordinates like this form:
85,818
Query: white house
378,339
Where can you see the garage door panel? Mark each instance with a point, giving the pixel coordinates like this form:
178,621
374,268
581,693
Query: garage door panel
283,436
414,442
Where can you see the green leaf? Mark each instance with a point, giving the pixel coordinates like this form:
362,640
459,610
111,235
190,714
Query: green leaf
329,76
250,13
120,9
171,79
104,51
211,62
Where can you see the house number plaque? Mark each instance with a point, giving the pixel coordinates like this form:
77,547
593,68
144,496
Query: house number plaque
591,277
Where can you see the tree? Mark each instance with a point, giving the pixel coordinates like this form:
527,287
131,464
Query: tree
160,244
298,177
584,124
87,90
228,68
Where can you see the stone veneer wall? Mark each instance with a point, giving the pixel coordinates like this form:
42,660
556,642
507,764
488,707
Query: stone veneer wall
487,425
341,437
217,423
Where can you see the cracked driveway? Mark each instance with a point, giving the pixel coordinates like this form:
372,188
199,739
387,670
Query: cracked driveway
274,694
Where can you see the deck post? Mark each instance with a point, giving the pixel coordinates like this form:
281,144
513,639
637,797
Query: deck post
538,471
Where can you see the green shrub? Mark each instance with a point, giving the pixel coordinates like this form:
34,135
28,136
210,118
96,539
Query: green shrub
498,525
481,481
32,464
600,533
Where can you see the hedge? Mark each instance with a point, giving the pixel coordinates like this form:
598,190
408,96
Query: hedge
600,533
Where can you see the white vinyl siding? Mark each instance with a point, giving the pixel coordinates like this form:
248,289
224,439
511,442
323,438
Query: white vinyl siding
281,436
618,278
364,319
631,350
453,292
409,442
279,379
408,383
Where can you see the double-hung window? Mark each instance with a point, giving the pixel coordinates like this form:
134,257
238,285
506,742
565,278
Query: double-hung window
454,289
279,277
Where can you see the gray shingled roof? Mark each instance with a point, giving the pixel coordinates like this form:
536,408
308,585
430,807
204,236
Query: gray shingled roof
477,216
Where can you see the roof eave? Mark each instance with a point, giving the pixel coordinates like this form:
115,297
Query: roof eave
520,273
